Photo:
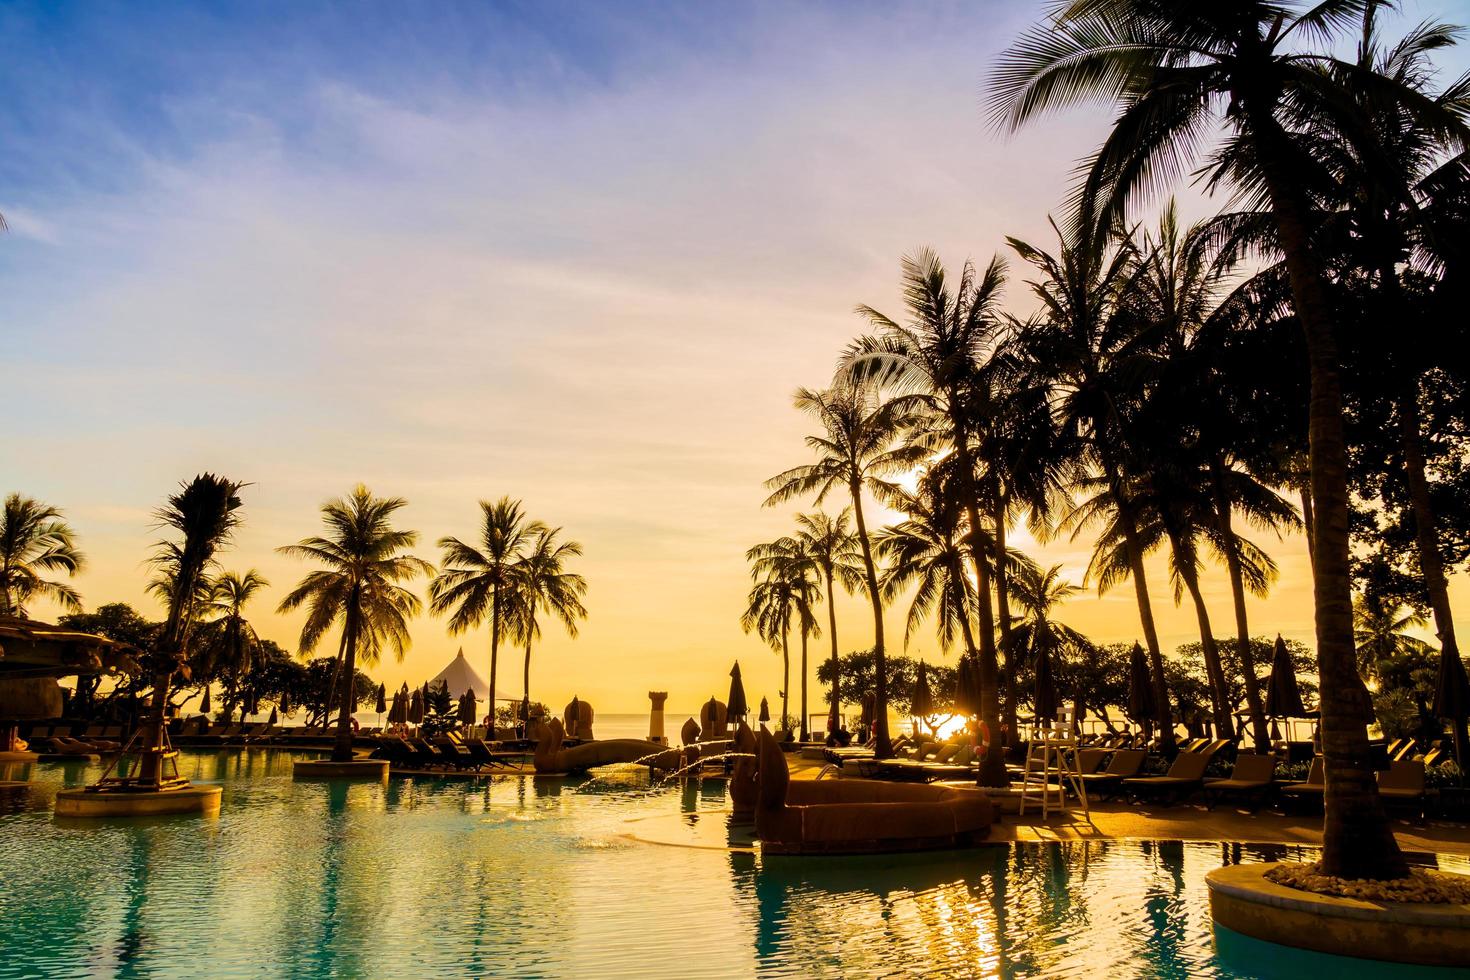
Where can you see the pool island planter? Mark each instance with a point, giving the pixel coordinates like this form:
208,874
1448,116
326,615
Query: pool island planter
1243,900
90,803
351,769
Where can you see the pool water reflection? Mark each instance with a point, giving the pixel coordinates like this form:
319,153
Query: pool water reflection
529,877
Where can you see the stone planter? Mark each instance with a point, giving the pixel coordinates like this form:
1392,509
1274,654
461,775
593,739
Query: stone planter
1243,900
85,803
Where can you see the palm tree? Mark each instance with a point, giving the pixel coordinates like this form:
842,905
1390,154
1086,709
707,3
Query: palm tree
1381,632
1400,203
476,580
35,540
359,585
1086,346
203,513
1170,67
789,559
1038,593
830,544
939,358
772,602
858,448
925,551
542,583
228,646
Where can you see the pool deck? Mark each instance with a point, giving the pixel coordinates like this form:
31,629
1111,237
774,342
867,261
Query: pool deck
1115,819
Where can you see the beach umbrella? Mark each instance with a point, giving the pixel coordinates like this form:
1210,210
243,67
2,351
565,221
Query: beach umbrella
467,707
765,714
1141,705
967,686
1283,697
1452,697
921,704
204,702
382,706
1045,696
273,718
285,703
416,707
398,713
735,706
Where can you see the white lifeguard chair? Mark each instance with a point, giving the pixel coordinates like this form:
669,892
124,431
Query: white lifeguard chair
1052,767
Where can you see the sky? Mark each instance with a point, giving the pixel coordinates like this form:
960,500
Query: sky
578,254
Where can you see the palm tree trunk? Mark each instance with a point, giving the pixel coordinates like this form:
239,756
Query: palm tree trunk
526,682
1219,694
342,749
1256,706
785,673
1356,839
836,708
804,612
993,765
1145,604
494,652
1310,522
1003,597
1426,535
884,747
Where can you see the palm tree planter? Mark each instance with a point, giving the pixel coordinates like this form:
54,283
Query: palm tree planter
148,780
359,586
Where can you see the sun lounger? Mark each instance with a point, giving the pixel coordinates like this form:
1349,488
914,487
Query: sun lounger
1124,764
1312,788
1091,760
1403,784
1185,776
1250,780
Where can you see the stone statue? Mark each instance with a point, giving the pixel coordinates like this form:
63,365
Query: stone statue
578,715
689,734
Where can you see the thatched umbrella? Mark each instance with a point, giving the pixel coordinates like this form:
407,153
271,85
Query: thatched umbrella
735,707
1142,707
1452,698
204,701
1045,696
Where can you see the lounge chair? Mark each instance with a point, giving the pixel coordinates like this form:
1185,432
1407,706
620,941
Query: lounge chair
1185,776
454,755
1124,764
1405,751
1091,760
483,754
1403,783
1250,780
1312,788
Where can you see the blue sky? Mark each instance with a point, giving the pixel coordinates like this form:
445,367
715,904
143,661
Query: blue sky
579,254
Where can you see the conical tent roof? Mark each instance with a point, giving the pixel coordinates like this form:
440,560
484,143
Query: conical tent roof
461,677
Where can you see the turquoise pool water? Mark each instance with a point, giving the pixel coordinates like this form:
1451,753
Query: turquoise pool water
525,877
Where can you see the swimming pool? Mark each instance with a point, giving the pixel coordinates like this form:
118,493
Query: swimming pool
526,877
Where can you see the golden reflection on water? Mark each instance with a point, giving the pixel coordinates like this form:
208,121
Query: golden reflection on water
531,877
